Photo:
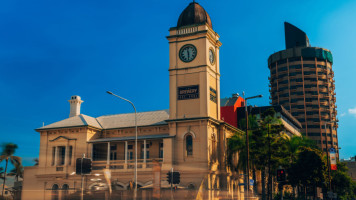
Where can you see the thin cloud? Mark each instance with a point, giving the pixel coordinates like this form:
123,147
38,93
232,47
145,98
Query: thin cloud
342,114
352,111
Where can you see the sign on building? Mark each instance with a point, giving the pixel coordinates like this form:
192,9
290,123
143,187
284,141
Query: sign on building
212,94
188,92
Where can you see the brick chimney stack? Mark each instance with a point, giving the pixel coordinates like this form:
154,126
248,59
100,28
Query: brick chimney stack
75,102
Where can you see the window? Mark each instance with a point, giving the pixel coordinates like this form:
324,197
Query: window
147,151
294,59
113,152
321,66
55,192
295,67
283,69
161,150
281,61
283,82
313,134
314,126
61,155
293,73
284,95
309,66
189,145
65,188
130,152
309,59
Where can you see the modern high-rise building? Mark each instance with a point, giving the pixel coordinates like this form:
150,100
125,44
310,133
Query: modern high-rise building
302,80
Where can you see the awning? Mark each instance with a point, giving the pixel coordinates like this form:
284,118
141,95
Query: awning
141,137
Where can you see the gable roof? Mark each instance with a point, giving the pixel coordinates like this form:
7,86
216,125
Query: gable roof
112,121
75,121
128,119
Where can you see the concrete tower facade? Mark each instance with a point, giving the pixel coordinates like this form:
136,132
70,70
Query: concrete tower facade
302,80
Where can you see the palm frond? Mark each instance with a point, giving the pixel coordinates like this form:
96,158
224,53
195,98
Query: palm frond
15,160
8,149
2,157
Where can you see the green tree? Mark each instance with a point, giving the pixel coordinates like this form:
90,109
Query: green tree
7,154
294,144
267,146
342,183
309,170
236,145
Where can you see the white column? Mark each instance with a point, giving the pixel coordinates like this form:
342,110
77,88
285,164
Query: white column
108,156
55,156
144,151
126,151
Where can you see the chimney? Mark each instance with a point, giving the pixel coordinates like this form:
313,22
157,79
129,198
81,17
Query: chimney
75,102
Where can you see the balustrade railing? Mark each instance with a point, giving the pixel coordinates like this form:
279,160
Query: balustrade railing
121,165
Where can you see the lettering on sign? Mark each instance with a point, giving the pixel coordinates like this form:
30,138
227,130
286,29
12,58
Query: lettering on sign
212,94
188,92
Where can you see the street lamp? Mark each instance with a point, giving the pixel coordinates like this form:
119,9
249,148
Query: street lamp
135,172
247,142
327,150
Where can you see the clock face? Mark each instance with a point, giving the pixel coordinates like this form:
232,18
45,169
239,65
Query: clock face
187,53
211,56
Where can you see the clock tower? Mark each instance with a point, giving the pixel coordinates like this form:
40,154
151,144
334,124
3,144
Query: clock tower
194,83
194,73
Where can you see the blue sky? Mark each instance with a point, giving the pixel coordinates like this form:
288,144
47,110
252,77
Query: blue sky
51,50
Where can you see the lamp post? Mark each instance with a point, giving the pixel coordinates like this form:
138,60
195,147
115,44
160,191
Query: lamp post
135,172
327,150
247,142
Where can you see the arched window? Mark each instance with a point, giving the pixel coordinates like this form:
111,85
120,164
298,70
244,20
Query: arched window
55,193
189,145
65,189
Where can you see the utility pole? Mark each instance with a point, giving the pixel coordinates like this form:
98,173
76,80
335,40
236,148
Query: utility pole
81,170
172,184
247,144
247,151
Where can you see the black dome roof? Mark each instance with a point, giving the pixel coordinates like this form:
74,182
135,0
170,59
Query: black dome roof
193,14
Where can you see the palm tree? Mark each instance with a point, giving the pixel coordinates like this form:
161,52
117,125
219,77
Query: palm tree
8,151
17,171
295,143
236,146
1,172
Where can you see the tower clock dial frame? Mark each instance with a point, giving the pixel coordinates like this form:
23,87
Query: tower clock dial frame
212,56
188,53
